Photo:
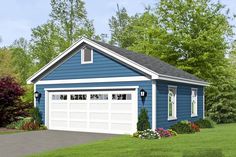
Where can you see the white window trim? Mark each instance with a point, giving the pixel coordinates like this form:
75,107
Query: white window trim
82,57
175,105
196,107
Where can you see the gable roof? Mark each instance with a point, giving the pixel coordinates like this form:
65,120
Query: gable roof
154,67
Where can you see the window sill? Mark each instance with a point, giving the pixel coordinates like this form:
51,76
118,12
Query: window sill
172,118
194,115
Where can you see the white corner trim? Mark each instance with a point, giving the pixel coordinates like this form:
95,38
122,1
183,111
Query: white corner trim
34,96
203,105
182,80
95,80
46,120
91,88
99,47
154,96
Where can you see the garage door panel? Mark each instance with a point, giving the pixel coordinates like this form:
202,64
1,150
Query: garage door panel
121,117
78,124
58,124
99,125
59,106
98,116
119,107
59,115
78,115
78,106
121,126
98,106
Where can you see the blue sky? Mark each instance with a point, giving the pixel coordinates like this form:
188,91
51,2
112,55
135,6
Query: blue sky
17,17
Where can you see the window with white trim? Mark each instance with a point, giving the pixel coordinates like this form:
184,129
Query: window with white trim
172,103
86,55
194,102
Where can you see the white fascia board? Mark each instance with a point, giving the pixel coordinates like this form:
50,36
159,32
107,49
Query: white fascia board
153,74
91,88
95,80
182,80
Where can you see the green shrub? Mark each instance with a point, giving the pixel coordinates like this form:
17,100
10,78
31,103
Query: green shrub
143,122
205,123
19,124
185,127
43,127
31,125
35,114
222,113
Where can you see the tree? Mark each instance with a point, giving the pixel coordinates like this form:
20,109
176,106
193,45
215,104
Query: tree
22,59
46,43
118,24
70,17
6,63
68,22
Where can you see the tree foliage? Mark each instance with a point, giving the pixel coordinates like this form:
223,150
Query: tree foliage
68,22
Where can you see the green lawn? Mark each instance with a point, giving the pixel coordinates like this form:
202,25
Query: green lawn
217,140
9,132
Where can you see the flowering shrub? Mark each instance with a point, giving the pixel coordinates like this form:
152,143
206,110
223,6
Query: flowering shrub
185,127
147,134
166,133
163,133
195,127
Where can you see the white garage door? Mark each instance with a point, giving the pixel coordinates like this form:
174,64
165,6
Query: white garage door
94,111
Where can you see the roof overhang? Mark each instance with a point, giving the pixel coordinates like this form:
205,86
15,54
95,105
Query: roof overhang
152,74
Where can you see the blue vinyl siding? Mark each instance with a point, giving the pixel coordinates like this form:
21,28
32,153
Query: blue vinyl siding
146,85
183,103
101,67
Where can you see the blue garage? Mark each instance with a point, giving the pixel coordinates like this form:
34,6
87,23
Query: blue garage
96,87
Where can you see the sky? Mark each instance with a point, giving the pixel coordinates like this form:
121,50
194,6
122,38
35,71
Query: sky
18,17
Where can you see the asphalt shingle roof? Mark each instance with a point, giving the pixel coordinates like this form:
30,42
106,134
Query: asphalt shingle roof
151,63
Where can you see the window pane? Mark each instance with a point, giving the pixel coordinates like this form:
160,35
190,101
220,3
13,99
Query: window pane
99,96
78,97
171,102
121,97
59,97
87,54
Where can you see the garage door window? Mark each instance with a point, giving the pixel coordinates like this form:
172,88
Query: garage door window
121,96
99,96
78,97
59,97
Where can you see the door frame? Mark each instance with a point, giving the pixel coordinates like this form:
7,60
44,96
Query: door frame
135,88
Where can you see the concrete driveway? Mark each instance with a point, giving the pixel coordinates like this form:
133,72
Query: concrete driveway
26,143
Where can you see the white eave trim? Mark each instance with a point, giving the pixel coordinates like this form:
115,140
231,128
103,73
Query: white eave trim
95,80
153,74
91,88
182,80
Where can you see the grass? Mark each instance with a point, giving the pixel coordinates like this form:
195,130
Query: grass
9,132
217,142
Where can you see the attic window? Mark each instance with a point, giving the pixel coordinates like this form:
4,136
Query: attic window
86,55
